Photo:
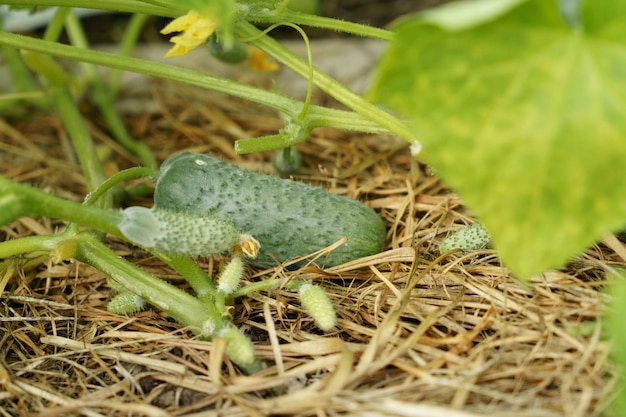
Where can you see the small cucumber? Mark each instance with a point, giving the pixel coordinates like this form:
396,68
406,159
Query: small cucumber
179,233
469,238
288,218
237,53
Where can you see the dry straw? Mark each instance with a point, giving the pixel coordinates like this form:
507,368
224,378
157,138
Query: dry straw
418,334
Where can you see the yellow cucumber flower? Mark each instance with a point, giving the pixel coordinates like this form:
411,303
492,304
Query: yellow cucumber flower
258,60
196,30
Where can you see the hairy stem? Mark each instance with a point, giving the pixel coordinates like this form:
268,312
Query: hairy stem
124,6
322,22
319,116
200,318
104,99
135,172
128,43
81,138
323,81
18,200
29,244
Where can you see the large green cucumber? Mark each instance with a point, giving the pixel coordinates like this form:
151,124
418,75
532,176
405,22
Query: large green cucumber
289,218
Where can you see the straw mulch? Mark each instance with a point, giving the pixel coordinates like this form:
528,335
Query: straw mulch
418,334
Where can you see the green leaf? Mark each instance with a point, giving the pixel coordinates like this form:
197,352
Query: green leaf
614,327
525,117
463,15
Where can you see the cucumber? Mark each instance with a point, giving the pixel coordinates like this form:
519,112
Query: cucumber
469,238
177,233
288,218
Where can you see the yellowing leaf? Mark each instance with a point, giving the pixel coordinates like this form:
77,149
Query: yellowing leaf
525,116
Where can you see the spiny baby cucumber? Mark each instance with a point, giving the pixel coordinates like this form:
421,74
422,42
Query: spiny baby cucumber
125,301
238,347
237,53
230,277
178,233
318,304
289,218
287,161
467,239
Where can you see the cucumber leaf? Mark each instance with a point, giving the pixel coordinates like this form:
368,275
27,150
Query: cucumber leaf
614,328
523,113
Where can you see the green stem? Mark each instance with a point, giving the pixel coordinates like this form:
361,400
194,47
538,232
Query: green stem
130,173
43,243
84,147
347,120
21,79
124,6
172,5
55,26
322,22
172,9
24,89
339,119
200,318
59,89
13,204
323,81
262,144
18,200
104,99
265,285
274,100
129,41
202,284
309,91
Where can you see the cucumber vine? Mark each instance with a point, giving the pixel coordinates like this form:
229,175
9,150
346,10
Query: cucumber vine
174,237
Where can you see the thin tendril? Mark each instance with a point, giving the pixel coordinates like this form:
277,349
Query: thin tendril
309,91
